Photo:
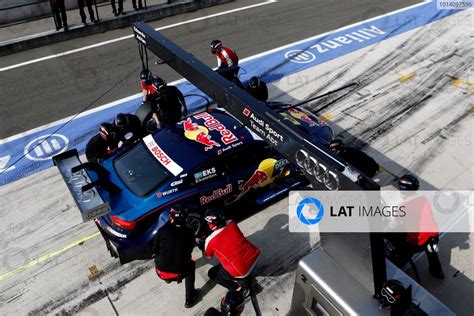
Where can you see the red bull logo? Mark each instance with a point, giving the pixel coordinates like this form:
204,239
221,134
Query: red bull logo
263,176
199,134
216,194
254,182
213,124
302,116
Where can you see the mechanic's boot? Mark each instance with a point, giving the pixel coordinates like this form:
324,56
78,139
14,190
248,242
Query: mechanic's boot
437,273
212,272
190,303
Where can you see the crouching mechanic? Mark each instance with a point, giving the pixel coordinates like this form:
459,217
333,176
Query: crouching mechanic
129,128
103,144
237,256
258,89
366,164
425,238
173,247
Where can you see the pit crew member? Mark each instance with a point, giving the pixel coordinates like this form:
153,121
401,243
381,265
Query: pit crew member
237,256
227,60
173,247
425,238
128,127
258,89
103,144
357,158
169,104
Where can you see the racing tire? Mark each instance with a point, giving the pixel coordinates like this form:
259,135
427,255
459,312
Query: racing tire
196,223
144,113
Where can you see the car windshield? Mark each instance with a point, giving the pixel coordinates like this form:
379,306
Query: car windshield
140,171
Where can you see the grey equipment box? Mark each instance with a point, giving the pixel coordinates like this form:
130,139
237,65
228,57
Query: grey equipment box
323,288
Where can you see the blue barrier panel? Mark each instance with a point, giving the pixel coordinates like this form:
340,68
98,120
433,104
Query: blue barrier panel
25,155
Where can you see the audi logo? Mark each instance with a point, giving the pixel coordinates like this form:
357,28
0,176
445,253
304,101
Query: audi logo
320,172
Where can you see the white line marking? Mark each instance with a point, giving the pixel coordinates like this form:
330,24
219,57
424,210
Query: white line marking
108,105
131,36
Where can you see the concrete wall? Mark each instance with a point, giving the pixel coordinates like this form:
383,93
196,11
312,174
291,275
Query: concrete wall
32,9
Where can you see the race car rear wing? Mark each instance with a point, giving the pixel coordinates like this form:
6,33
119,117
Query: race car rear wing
83,189
325,170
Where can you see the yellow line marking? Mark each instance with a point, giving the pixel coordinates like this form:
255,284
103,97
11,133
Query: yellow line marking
46,257
463,85
327,117
406,77
388,171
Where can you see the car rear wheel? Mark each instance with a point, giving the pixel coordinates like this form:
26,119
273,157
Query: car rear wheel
196,223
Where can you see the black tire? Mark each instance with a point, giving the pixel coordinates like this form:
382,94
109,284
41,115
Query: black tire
197,224
144,112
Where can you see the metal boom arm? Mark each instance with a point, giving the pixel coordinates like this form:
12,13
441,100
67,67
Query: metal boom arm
319,164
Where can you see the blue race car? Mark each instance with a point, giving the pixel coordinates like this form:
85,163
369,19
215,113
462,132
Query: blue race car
207,160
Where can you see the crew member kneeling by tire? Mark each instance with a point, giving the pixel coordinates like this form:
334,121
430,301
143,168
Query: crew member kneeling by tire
173,247
103,144
237,256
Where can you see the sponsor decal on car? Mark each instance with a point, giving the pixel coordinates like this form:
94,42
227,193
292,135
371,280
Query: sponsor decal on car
214,124
223,150
267,171
165,193
205,175
177,182
199,134
216,194
308,117
290,118
161,156
302,117
115,233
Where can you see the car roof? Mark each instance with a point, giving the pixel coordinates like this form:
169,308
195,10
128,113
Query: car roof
202,137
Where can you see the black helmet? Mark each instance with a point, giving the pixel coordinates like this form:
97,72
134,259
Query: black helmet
254,82
178,214
121,120
106,131
158,84
232,304
215,219
391,293
146,76
336,145
215,44
408,183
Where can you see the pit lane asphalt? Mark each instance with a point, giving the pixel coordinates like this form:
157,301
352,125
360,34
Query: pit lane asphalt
40,93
